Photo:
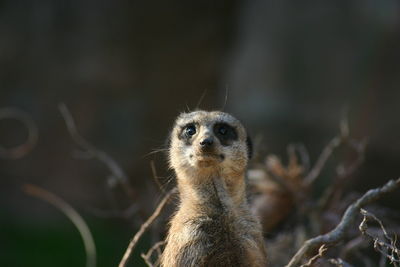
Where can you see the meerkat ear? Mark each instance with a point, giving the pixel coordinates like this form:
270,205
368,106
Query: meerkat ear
249,144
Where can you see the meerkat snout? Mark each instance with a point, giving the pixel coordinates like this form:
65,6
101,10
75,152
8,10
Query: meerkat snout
207,143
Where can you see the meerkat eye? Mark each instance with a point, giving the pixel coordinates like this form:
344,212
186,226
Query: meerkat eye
222,130
190,130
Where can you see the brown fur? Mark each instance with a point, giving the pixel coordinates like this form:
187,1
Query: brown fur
213,225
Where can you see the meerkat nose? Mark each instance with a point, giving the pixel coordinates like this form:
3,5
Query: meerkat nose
207,142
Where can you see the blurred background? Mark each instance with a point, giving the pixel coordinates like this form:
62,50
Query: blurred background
289,70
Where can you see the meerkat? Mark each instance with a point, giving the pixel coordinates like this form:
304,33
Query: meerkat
213,225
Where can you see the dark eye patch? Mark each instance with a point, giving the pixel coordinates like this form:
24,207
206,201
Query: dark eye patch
225,133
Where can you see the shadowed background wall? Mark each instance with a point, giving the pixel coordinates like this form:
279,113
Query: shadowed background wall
125,69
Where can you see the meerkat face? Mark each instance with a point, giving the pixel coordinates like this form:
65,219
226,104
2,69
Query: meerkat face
203,140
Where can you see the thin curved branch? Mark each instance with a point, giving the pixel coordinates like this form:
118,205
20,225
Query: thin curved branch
340,231
147,256
339,262
321,252
155,176
327,152
145,226
72,214
90,150
22,149
387,248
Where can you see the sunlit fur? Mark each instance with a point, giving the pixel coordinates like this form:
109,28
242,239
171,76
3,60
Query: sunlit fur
213,225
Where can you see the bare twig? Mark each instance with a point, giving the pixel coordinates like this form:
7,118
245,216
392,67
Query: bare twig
383,258
72,214
304,156
325,154
321,252
144,227
339,262
117,172
338,140
22,149
155,176
334,192
389,250
339,232
147,256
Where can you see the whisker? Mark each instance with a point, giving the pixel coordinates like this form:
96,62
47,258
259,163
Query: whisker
226,97
201,99
155,151
187,107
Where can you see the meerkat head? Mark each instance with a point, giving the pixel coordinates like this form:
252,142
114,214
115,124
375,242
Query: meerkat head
204,141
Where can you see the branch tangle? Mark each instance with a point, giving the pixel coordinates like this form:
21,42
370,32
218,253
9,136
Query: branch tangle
339,232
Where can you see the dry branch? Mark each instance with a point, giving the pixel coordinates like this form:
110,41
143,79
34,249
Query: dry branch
325,154
321,253
22,149
388,250
339,262
72,214
145,226
340,231
341,138
147,256
155,176
334,192
89,150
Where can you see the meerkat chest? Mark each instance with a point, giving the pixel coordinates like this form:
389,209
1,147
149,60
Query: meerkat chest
214,238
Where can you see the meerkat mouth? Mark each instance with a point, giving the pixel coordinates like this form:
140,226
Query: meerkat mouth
207,158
